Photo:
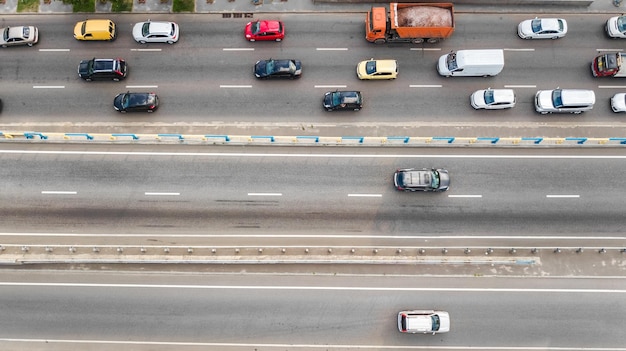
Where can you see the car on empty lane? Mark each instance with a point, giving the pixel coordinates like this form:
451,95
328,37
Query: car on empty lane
423,321
425,179
136,102
343,100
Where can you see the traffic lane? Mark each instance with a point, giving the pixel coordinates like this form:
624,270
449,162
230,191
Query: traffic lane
306,316
522,196
225,174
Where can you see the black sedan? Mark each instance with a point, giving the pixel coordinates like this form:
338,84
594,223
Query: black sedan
270,69
343,100
136,102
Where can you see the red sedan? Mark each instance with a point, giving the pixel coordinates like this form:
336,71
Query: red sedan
265,30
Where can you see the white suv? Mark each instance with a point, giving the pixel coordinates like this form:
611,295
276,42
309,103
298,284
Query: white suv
423,321
564,101
156,32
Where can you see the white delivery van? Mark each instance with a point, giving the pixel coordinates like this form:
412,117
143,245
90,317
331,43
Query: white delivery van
471,63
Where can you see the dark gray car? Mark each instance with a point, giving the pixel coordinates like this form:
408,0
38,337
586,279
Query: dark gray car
343,100
426,179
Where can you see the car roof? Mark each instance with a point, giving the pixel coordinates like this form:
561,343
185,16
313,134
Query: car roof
503,94
386,65
160,27
577,96
269,26
550,24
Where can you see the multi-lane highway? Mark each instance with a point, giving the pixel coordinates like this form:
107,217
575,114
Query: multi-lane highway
207,76
323,191
61,311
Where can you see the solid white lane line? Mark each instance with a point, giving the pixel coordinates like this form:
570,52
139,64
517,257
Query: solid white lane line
611,86
465,196
330,86
238,49
563,196
520,86
365,195
54,192
425,49
145,49
265,194
54,50
519,49
610,50
235,86
284,155
161,194
325,236
315,287
141,86
425,85
331,49
48,86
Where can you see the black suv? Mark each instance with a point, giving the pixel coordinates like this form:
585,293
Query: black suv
102,69
343,100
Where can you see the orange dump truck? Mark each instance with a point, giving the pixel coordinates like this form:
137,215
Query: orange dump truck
412,23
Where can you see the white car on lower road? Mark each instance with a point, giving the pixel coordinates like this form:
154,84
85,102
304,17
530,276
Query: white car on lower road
424,321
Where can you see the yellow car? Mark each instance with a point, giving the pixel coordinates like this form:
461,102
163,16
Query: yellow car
377,69
95,29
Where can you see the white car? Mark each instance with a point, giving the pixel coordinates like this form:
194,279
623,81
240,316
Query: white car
493,99
423,321
616,27
618,102
20,35
542,28
156,32
564,101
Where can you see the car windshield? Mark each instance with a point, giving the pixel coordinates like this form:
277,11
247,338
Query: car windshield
145,29
435,184
536,25
269,66
125,100
489,100
557,100
5,35
621,24
370,67
256,26
436,322
336,99
451,61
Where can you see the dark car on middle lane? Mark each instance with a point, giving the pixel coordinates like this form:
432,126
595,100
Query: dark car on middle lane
102,69
343,100
136,102
277,69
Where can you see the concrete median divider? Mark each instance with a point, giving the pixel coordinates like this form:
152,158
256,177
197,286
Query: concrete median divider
304,140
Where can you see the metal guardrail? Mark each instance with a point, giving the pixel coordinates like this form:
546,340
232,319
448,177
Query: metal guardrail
218,139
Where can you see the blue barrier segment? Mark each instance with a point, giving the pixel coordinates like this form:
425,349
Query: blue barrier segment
31,135
405,138
360,139
492,140
271,138
537,140
317,138
179,136
89,137
226,138
134,136
579,140
449,139
621,140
